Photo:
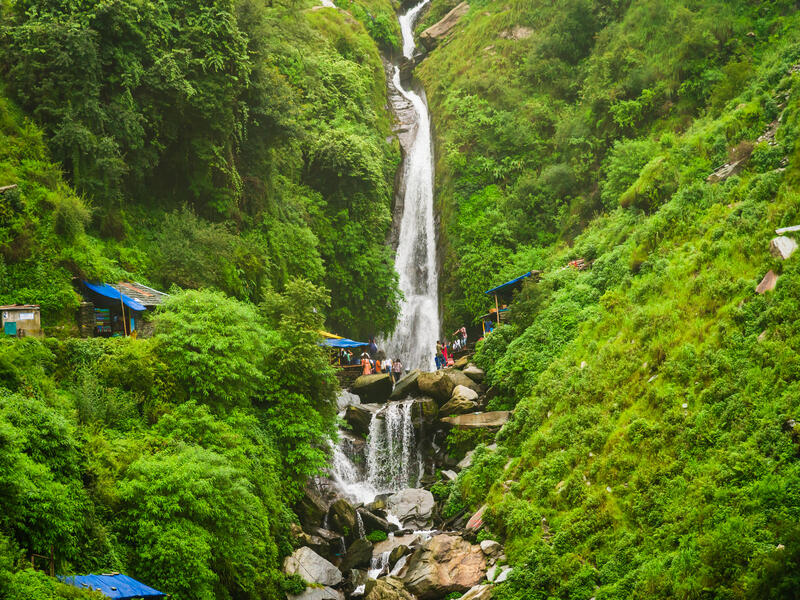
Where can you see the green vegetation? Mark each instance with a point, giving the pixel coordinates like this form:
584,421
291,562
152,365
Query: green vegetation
377,536
653,449
173,459
234,145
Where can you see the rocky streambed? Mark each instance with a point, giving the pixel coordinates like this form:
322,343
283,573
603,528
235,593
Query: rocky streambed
373,529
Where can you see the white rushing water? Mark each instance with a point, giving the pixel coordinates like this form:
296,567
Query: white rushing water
414,340
391,459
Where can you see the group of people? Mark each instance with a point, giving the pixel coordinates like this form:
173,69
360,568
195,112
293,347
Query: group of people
381,364
444,351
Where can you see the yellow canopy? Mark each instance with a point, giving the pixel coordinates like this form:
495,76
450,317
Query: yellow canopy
330,335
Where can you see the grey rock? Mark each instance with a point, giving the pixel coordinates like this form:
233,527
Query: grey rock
466,462
486,420
459,378
438,385
782,247
358,554
325,593
311,567
397,553
476,374
462,401
373,388
449,475
490,547
413,507
373,522
504,575
389,588
768,283
407,386
359,416
479,592
424,410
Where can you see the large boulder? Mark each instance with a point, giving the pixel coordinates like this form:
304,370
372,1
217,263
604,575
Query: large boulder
342,518
459,378
311,567
359,416
444,564
476,520
476,374
317,543
412,507
486,420
397,553
374,389
424,410
310,509
359,554
407,386
462,401
389,588
437,32
437,385
461,362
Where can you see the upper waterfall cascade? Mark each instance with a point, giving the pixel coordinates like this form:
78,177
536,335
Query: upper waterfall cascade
418,325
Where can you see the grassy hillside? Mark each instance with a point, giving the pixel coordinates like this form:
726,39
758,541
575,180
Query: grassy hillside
653,450
233,146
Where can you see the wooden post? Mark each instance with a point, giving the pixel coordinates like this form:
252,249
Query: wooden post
497,308
122,306
52,563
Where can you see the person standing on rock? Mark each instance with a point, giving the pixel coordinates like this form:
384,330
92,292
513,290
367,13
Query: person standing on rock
387,366
445,355
397,370
365,364
438,354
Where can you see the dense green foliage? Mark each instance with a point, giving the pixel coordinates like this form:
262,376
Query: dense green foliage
173,459
231,145
653,448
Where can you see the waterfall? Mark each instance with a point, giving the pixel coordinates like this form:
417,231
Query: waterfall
360,524
378,564
414,340
392,453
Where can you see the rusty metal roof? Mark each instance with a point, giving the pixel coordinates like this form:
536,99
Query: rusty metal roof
19,307
141,293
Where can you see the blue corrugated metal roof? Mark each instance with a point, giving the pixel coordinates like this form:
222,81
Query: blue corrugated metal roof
508,283
117,586
109,292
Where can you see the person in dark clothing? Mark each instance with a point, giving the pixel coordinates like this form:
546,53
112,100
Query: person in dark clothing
373,348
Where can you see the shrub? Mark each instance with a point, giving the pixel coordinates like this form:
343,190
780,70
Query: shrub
293,584
377,536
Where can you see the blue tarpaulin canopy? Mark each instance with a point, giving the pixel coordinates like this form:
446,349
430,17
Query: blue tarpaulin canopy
109,292
509,284
343,343
114,586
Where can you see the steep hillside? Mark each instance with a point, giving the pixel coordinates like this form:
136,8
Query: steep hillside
653,451
232,145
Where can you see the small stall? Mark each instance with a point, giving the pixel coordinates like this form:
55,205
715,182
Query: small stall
503,294
113,585
116,309
21,320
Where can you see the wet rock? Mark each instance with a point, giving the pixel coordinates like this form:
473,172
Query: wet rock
413,507
768,283
359,416
438,385
342,518
486,420
310,509
356,578
373,522
477,375
397,553
407,386
476,520
359,554
345,399
435,33
444,564
389,588
378,504
407,539
325,593
782,247
373,388
479,592
424,410
490,547
462,401
311,567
